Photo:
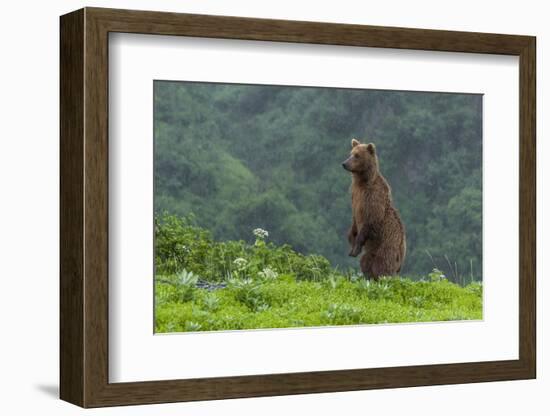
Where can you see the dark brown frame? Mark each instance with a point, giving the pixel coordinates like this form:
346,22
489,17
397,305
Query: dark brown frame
84,209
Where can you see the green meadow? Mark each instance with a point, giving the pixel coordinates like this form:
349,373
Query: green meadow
206,285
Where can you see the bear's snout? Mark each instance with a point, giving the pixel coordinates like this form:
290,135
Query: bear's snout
345,164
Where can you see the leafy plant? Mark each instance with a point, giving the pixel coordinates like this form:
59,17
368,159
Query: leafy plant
268,274
342,314
191,326
185,278
186,285
211,302
248,292
436,275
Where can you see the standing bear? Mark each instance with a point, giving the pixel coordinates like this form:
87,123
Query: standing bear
376,229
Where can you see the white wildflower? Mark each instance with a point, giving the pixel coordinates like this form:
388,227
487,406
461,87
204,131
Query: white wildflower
260,233
240,263
268,273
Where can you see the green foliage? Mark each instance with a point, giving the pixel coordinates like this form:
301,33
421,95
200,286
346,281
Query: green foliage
191,326
436,275
248,292
342,314
263,285
287,303
179,244
211,302
246,156
186,279
184,284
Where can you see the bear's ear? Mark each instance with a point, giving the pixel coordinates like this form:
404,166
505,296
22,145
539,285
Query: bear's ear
354,142
371,148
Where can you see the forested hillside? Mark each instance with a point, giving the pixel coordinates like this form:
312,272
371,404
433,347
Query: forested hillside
239,157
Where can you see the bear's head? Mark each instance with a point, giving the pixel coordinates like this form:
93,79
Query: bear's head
362,160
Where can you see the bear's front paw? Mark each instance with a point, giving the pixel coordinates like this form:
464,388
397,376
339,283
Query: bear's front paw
355,250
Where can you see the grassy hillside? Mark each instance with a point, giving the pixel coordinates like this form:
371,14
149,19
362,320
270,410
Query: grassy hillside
205,285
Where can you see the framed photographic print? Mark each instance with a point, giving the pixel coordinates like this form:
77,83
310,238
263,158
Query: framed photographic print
255,207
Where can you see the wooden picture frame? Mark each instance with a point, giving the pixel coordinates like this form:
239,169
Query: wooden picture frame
84,207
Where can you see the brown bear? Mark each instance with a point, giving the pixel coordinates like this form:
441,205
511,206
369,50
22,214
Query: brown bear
376,228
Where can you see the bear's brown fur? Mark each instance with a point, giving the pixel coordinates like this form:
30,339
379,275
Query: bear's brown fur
376,227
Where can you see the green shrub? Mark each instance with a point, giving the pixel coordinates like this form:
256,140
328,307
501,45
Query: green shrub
179,244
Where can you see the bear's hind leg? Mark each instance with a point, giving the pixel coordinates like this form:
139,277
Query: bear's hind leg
378,268
385,263
366,263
